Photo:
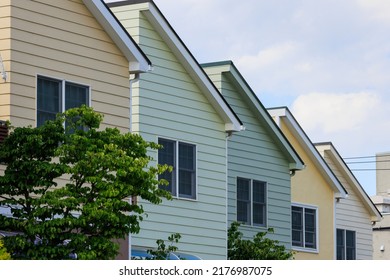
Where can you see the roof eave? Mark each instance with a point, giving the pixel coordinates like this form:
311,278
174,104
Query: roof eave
298,132
155,17
374,212
138,61
228,66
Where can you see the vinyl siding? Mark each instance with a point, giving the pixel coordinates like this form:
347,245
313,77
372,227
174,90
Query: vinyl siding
5,47
308,187
352,215
253,154
61,39
167,103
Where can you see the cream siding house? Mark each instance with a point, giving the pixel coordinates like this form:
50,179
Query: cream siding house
381,230
315,193
179,107
260,161
355,215
76,42
58,54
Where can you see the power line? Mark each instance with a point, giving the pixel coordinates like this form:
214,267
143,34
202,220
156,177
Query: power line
370,169
375,156
371,161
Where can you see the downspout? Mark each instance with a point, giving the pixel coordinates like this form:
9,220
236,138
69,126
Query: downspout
229,135
335,201
2,70
133,79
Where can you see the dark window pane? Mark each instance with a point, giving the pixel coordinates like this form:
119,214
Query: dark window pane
259,214
259,189
243,189
259,203
243,212
187,170
75,95
350,238
310,223
310,240
243,201
297,226
186,183
310,228
340,244
297,218
186,156
166,155
48,99
340,237
297,238
350,245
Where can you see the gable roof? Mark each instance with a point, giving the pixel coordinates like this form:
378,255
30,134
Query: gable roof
193,68
138,61
329,149
296,162
311,151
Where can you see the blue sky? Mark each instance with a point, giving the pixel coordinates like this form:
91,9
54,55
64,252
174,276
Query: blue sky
327,60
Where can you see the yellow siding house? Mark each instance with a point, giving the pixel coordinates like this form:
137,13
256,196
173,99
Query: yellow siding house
315,192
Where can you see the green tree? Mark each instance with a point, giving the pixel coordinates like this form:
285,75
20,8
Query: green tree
260,248
81,215
4,255
163,251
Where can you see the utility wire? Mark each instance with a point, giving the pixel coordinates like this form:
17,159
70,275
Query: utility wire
375,156
371,161
369,169
367,162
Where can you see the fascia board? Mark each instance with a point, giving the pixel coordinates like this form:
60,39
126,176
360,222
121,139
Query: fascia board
232,122
354,183
297,163
310,150
138,62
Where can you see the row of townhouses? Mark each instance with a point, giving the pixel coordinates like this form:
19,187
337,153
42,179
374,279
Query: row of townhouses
237,160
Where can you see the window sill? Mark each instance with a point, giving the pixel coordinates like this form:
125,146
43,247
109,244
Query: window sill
253,226
185,198
305,250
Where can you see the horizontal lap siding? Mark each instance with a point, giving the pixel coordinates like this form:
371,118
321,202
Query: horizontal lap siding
61,39
351,214
253,154
167,103
5,46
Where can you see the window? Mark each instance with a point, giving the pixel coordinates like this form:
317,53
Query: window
346,244
251,202
56,96
304,227
182,157
3,131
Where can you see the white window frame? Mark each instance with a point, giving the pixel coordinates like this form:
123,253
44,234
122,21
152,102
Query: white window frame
177,194
303,248
251,202
63,92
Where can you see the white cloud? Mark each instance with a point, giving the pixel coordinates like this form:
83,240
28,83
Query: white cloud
332,113
378,10
271,56
356,123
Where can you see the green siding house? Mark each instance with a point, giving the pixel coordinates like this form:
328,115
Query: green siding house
179,107
261,161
